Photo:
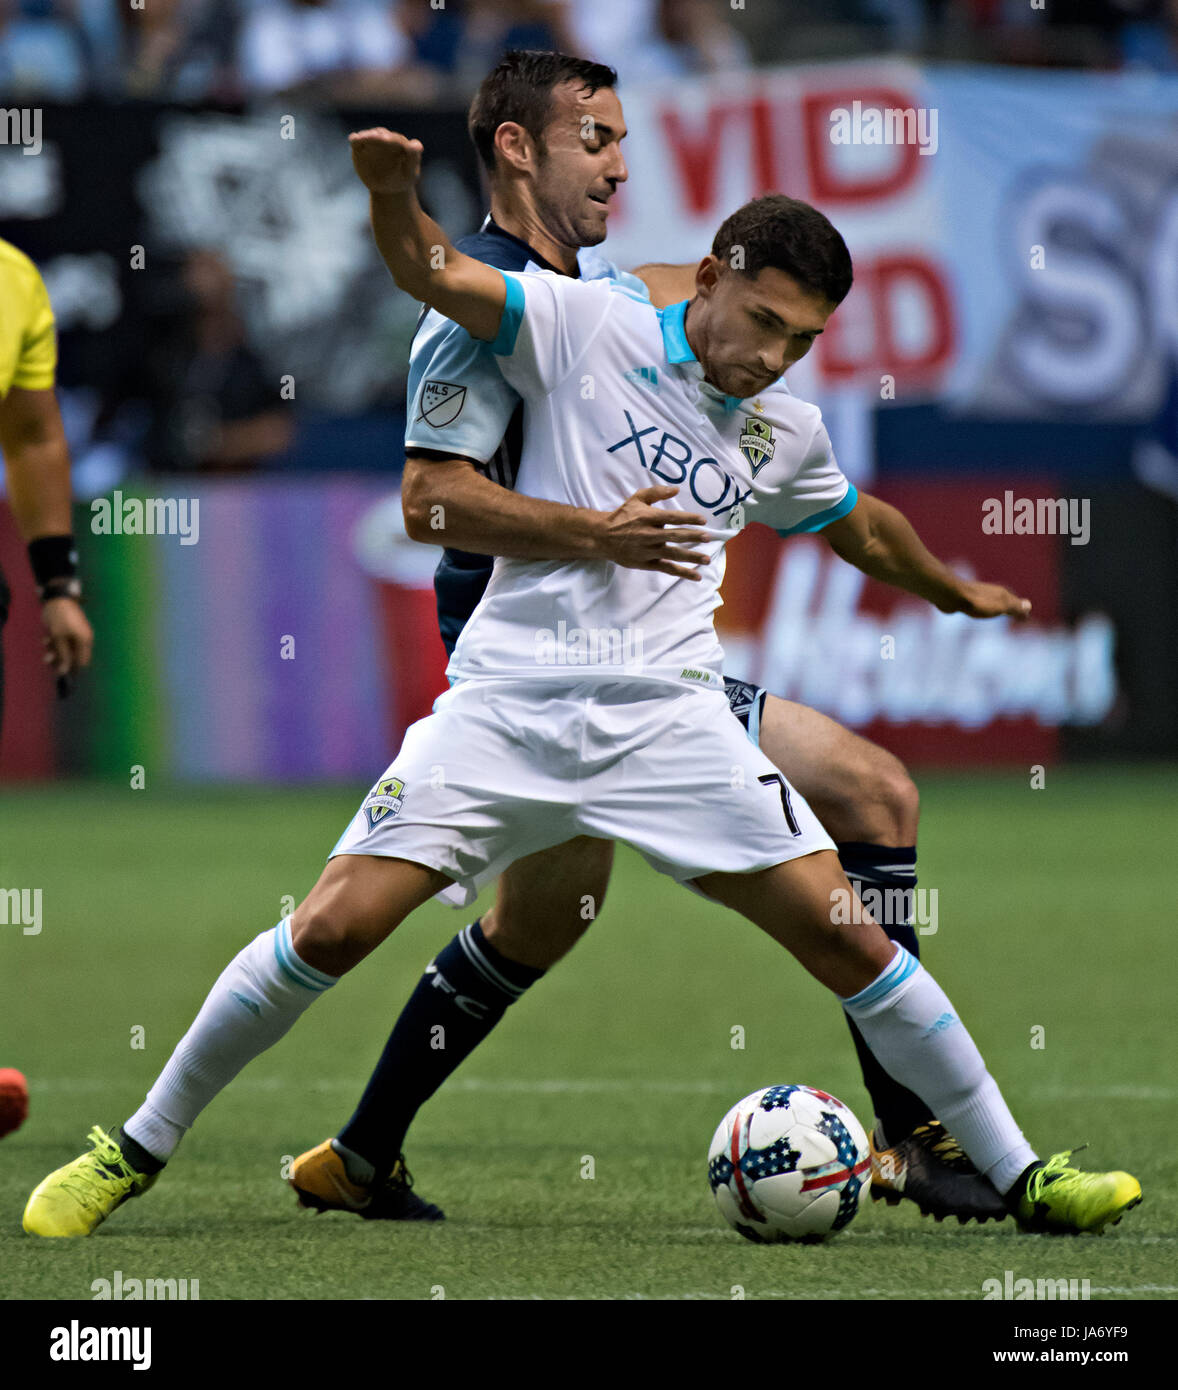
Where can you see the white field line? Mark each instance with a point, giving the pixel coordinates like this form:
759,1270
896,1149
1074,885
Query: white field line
573,1086
991,1231
753,1295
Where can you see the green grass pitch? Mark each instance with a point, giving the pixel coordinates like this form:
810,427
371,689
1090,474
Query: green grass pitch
1055,912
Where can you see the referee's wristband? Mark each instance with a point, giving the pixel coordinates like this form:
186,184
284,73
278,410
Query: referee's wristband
55,567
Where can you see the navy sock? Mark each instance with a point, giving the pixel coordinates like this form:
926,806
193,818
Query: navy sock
1018,1191
885,878
135,1154
463,994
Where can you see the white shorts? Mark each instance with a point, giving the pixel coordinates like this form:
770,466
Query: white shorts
502,769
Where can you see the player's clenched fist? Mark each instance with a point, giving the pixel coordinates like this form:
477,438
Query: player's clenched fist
385,161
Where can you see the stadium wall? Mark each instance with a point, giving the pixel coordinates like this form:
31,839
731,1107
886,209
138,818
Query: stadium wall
295,640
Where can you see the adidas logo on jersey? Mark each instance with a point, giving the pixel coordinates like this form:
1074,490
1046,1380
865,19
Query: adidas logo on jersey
644,376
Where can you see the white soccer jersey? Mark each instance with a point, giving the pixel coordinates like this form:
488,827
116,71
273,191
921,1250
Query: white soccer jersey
616,401
459,402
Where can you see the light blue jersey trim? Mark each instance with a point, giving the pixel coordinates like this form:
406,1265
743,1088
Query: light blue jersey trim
672,320
904,964
821,519
294,968
513,316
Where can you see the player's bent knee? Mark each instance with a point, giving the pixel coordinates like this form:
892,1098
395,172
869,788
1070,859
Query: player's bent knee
335,932
902,798
327,937
356,903
881,803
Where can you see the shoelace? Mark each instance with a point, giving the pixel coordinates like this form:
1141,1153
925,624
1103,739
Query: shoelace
1055,1168
400,1175
86,1184
943,1145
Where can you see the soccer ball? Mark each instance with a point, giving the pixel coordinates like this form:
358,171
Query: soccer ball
788,1163
14,1100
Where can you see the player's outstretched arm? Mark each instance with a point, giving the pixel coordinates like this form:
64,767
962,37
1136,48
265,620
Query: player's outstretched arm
416,250
880,541
446,501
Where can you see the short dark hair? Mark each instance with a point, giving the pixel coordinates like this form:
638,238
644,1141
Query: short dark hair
520,89
783,233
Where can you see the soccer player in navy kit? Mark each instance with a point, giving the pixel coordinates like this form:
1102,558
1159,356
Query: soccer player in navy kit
548,129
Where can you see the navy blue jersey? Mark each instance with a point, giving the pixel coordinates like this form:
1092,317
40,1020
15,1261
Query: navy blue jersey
461,576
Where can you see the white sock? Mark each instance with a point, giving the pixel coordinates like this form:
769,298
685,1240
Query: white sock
258,997
909,1024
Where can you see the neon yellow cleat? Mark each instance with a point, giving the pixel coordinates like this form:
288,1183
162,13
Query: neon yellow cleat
1061,1200
76,1199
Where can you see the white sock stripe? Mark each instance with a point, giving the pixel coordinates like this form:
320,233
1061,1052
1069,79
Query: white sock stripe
910,1025
477,958
255,1001
484,966
293,964
903,965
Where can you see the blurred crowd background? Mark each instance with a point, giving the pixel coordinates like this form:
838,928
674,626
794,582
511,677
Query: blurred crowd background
359,52
201,397
179,172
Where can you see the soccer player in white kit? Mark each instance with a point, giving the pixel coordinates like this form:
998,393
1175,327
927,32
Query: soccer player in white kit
588,698
548,129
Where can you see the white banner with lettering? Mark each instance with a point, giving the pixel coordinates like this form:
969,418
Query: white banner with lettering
1015,235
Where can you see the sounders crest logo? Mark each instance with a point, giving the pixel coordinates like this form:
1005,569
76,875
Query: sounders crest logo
757,443
384,800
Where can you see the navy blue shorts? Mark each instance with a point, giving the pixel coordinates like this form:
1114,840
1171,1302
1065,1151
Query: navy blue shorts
747,702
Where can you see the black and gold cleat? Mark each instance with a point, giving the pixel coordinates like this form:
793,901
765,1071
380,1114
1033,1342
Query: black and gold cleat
395,1200
930,1168
320,1178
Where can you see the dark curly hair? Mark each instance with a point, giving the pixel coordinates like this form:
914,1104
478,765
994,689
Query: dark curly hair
786,234
520,89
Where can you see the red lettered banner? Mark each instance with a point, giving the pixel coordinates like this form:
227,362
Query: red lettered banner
932,687
821,134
